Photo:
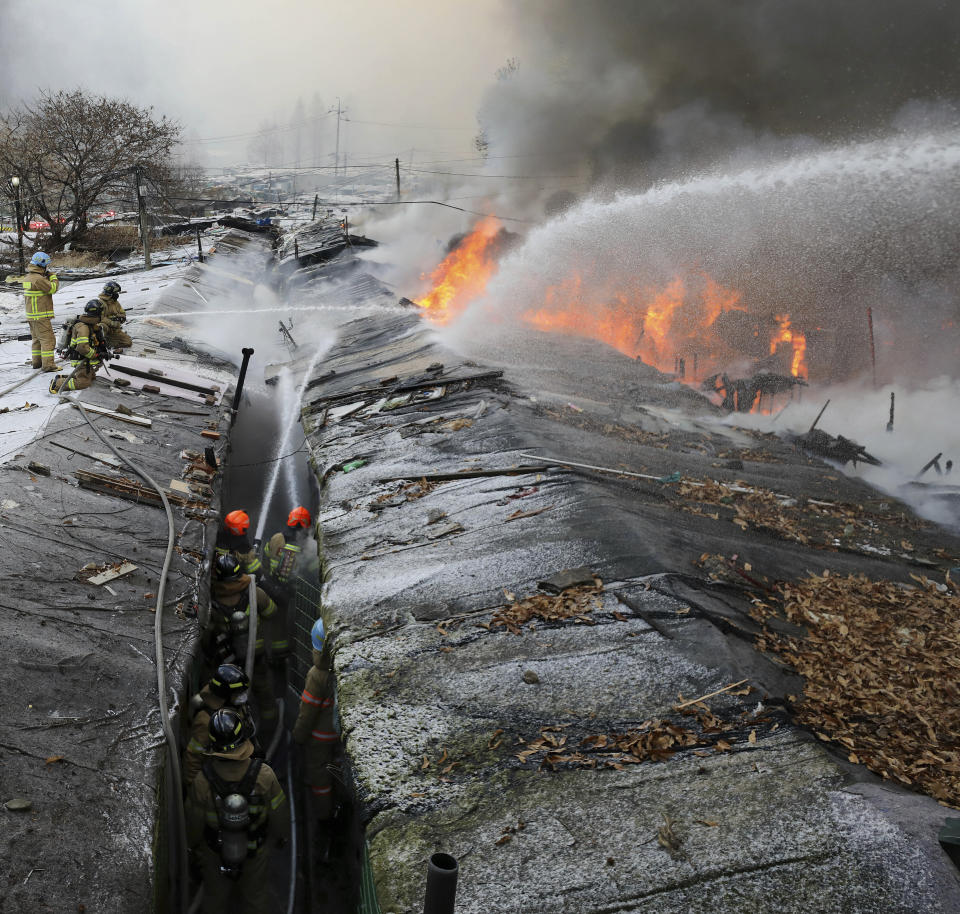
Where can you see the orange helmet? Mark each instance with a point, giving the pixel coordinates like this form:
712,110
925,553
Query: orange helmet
298,517
237,522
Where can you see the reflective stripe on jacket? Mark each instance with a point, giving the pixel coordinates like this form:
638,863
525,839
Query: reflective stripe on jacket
83,342
38,289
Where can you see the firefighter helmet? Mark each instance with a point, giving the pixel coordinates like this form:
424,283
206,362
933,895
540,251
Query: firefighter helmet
227,567
112,289
226,730
298,517
229,683
93,307
40,259
318,635
237,522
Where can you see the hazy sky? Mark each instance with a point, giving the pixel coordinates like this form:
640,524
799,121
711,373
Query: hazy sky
222,67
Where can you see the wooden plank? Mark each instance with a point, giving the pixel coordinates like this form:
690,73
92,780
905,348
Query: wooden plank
134,419
726,688
105,576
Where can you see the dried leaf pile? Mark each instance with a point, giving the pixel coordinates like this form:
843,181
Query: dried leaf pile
813,524
881,662
408,491
652,741
576,603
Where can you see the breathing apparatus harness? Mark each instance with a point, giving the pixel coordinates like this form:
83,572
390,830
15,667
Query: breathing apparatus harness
236,837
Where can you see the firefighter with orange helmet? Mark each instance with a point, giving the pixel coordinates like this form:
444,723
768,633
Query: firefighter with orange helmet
284,551
233,538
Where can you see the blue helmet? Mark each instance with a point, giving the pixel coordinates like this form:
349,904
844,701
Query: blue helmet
318,635
40,259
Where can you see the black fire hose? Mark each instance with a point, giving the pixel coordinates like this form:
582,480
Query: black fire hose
442,871
240,379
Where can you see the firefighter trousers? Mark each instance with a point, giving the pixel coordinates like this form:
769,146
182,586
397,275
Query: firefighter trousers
119,339
44,343
247,895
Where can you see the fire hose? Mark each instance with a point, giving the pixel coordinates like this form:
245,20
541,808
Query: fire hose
174,754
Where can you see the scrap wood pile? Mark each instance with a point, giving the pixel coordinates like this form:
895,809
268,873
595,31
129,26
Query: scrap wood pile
408,491
651,741
881,662
575,603
811,523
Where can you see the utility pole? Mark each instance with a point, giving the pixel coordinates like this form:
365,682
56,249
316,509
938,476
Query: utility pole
142,207
396,163
341,114
15,184
199,247
316,200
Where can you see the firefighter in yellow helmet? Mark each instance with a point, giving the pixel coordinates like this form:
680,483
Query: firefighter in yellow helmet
85,350
114,317
236,809
38,288
314,729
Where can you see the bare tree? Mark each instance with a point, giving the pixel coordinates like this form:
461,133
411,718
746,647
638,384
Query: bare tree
72,150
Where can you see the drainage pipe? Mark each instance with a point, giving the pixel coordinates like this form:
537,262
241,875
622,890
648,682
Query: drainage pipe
242,377
442,871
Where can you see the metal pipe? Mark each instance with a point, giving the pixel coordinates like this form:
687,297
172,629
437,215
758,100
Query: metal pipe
442,872
240,379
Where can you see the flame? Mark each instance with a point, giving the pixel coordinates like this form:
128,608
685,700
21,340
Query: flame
463,274
797,342
661,326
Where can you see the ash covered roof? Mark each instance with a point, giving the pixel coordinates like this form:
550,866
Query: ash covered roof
544,740
80,730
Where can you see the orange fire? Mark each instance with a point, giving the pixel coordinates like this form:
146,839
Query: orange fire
463,274
660,326
786,335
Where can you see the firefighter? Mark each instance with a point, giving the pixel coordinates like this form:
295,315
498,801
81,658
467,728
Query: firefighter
114,317
228,687
233,538
38,288
86,349
284,551
230,624
235,810
314,728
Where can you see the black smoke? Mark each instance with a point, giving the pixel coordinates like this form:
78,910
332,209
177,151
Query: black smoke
647,89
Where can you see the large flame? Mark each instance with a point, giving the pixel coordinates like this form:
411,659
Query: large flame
670,328
789,337
463,274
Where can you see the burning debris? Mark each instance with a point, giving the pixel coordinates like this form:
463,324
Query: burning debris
834,448
742,395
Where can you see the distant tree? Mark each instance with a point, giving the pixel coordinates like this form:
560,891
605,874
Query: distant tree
73,150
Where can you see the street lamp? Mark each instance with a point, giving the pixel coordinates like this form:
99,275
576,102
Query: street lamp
15,184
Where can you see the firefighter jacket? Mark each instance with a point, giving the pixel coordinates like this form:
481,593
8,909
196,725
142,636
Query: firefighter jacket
314,726
113,313
200,732
287,558
83,342
269,811
38,289
240,546
230,596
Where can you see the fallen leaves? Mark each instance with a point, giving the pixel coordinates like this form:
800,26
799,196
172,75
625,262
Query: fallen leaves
575,603
881,663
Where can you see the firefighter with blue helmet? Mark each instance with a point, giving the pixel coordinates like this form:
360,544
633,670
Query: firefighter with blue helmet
38,287
236,809
314,729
